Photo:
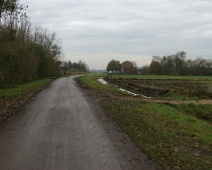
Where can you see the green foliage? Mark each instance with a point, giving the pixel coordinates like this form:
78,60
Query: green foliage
24,60
80,66
26,53
114,66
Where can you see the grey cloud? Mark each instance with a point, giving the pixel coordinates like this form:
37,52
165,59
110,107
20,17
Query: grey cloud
131,27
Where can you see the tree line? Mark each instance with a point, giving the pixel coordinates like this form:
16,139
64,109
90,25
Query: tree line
115,66
80,66
175,64
26,53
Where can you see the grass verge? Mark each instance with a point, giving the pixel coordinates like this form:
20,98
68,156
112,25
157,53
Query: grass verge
172,139
90,81
174,136
200,111
12,98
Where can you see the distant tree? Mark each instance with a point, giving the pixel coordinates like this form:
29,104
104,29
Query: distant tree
155,66
128,66
144,70
135,70
75,66
209,67
69,65
65,66
180,62
114,66
171,65
177,64
86,67
200,65
80,66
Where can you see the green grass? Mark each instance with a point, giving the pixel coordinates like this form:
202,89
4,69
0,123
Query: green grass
24,89
170,138
203,112
12,98
90,81
174,136
171,95
162,77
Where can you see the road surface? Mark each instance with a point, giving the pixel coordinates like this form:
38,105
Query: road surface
62,129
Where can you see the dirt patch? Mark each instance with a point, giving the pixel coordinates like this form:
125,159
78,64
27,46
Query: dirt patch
186,88
101,95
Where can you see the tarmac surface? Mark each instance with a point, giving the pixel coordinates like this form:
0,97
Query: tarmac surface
63,129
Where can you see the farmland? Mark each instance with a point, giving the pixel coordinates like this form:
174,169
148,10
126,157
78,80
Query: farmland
169,87
173,128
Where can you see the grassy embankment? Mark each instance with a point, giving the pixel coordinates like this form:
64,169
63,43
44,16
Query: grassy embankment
174,136
12,98
90,81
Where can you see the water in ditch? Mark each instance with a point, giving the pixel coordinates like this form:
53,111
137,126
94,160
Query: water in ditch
102,81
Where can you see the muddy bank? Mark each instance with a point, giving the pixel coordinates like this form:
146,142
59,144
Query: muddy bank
136,87
164,87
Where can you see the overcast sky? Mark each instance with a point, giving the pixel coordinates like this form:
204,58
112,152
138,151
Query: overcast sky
97,31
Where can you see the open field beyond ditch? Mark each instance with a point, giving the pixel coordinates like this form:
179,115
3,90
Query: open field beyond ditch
172,87
176,135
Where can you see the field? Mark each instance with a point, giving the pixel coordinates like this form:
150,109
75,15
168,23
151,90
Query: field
169,87
176,135
75,72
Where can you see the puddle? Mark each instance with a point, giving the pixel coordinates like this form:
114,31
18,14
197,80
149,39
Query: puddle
145,97
102,81
134,94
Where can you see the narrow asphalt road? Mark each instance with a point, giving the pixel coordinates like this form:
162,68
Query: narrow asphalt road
62,129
